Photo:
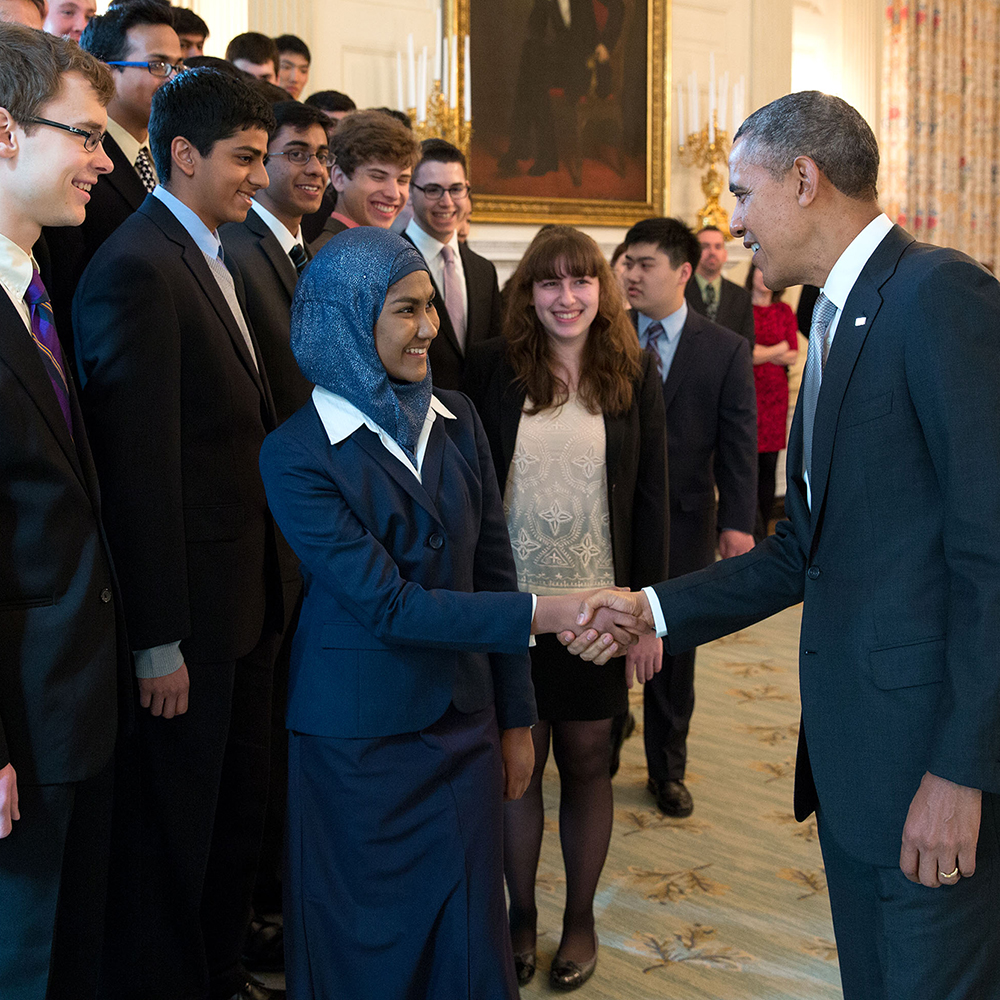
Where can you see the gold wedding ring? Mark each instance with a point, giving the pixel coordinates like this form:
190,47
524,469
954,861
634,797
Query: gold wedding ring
948,874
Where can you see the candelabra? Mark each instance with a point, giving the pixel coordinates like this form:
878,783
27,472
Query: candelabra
705,149
442,121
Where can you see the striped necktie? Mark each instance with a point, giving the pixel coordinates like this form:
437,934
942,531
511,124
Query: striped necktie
653,333
299,258
43,333
812,377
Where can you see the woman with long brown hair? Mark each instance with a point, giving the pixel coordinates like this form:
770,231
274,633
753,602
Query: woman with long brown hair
573,411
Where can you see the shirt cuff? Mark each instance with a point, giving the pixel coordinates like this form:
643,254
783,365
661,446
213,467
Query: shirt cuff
534,604
158,661
654,606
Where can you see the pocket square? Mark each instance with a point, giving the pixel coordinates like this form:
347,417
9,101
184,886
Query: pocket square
861,320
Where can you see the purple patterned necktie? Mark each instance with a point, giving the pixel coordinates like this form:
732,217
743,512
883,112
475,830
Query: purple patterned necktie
43,333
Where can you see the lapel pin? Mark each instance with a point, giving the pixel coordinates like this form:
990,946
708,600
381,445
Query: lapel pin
861,320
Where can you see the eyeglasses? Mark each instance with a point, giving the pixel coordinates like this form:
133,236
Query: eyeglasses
157,67
434,192
91,140
300,157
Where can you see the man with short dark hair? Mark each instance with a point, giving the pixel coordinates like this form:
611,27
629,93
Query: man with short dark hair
711,405
64,663
255,54
30,13
192,32
714,296
177,397
138,42
892,546
465,284
374,155
68,18
294,60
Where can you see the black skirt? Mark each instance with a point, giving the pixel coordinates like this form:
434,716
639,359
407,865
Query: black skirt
569,689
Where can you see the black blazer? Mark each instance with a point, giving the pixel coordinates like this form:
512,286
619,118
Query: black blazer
177,413
711,407
483,319
635,455
65,668
312,224
269,277
897,560
735,310
113,199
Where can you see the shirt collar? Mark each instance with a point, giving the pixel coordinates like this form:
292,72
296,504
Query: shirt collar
126,142
280,230
851,262
672,324
346,220
207,241
429,246
16,267
703,283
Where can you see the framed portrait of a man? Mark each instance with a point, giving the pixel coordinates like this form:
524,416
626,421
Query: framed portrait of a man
568,107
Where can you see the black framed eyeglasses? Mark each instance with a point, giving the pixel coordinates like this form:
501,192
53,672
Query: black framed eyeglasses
434,192
157,67
91,140
300,157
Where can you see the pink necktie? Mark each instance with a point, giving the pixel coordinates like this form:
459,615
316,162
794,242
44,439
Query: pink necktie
453,300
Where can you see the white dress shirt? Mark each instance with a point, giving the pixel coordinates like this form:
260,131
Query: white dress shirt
280,230
673,326
16,268
129,145
430,249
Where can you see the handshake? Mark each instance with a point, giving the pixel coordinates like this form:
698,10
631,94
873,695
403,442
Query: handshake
595,625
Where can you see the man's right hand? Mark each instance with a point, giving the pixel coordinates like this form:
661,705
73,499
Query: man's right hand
8,800
167,695
583,642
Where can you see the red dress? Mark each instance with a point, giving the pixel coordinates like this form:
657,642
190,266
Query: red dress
772,325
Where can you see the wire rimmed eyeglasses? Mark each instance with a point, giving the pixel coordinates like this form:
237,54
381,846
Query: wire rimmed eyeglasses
300,157
157,67
435,192
91,140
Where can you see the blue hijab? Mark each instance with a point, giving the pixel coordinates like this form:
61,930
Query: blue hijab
337,303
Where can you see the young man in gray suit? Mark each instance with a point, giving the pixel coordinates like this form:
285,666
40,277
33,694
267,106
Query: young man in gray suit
892,545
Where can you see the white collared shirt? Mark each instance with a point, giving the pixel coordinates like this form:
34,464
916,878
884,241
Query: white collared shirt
129,145
673,325
280,230
430,250
16,268
341,419
207,241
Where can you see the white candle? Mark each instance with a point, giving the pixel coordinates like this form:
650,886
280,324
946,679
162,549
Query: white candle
468,82
723,98
422,86
411,73
696,106
453,83
437,42
444,67
681,134
399,81
711,97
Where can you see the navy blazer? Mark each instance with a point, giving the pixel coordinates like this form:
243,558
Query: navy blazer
898,559
396,623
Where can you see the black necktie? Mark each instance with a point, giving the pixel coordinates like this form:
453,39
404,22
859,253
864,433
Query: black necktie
299,258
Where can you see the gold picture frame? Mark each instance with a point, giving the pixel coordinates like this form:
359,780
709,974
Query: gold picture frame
597,193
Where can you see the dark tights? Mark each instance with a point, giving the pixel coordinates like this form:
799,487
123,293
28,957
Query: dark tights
585,817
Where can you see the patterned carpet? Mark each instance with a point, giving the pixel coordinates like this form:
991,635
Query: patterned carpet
731,902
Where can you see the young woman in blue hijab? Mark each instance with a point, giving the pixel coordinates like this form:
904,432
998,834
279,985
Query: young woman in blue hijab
410,696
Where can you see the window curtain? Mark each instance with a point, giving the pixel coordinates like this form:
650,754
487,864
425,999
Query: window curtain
941,123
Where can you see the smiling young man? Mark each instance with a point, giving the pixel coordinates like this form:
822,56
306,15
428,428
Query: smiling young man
468,297
714,296
711,405
68,18
374,156
64,661
294,60
175,389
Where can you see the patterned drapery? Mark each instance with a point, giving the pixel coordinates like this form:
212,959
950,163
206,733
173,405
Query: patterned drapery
941,123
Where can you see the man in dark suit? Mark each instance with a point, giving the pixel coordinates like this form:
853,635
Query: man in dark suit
711,405
64,661
465,284
893,546
714,296
177,396
136,33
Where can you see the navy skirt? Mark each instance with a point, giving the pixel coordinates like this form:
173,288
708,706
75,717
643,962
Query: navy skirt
394,886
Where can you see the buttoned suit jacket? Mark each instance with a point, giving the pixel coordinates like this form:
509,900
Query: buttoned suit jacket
65,668
735,310
897,561
482,321
177,412
113,199
395,624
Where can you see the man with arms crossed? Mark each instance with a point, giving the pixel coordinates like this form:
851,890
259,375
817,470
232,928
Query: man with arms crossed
893,545
64,661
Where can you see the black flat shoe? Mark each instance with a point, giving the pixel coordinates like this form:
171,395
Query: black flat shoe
565,975
524,966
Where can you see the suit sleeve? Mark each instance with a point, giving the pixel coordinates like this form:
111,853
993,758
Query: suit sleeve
357,569
954,382
736,444
746,327
130,370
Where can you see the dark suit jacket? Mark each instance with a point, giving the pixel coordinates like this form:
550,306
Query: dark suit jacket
569,48
735,310
711,409
395,625
65,668
635,457
330,229
898,558
269,278
113,199
483,319
312,224
177,412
